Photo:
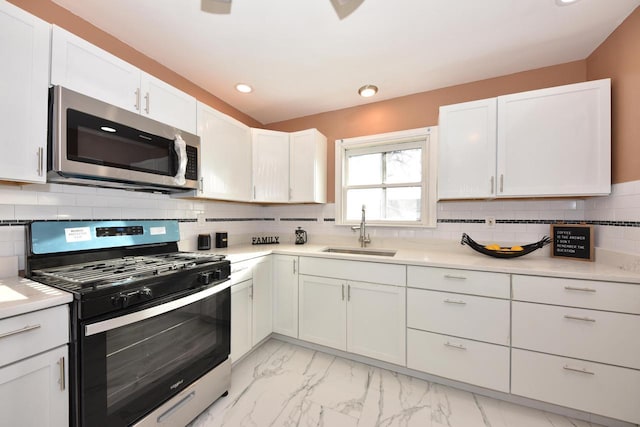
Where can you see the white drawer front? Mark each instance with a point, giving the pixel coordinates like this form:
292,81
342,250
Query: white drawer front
478,318
462,281
586,334
31,333
602,389
609,296
473,362
241,271
360,271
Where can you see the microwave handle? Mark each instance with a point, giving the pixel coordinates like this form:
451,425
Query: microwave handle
181,150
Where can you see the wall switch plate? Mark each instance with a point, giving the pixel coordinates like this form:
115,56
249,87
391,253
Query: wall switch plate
490,222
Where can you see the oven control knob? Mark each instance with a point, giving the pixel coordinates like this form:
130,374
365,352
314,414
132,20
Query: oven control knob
145,293
205,278
121,300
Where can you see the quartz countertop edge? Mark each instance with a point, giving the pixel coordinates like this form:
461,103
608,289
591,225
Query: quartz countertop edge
464,259
19,296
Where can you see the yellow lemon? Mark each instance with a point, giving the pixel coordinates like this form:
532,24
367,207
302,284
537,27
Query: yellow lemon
493,247
516,248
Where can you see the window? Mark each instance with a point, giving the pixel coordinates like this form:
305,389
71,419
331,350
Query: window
392,175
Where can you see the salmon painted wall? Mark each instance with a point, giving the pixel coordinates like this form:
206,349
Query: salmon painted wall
421,109
618,57
51,12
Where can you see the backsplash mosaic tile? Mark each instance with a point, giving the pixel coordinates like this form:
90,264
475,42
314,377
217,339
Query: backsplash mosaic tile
616,217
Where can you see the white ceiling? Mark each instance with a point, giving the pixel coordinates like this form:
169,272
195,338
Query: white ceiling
301,59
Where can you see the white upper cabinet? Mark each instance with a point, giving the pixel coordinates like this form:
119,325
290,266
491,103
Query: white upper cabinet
289,167
270,166
555,141
225,146
467,150
24,54
308,167
548,142
83,67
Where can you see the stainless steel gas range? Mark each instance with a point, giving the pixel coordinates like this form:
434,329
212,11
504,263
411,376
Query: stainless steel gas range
150,325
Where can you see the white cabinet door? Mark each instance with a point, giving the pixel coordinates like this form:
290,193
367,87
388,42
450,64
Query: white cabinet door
225,146
323,314
376,325
285,295
262,300
270,166
34,392
82,67
467,150
24,55
555,141
166,104
241,319
308,167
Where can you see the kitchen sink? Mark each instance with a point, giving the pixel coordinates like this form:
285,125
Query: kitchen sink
361,251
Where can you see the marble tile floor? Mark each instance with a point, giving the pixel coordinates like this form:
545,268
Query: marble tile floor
281,384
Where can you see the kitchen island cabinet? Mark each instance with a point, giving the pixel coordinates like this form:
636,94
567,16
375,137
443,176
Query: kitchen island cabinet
23,105
85,68
541,143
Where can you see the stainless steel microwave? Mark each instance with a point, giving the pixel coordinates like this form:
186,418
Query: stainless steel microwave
98,144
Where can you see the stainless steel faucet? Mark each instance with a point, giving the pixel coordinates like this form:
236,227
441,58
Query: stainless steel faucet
364,237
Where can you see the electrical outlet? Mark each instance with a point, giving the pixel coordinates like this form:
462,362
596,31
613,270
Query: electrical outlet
490,222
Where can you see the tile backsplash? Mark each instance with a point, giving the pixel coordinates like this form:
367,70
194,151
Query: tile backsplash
616,217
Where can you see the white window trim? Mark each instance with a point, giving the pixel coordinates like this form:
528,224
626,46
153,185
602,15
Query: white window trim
430,158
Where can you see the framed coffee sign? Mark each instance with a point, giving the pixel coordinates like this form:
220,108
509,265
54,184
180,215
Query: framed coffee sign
573,241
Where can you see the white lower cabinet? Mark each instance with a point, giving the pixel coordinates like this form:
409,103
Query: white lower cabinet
251,304
285,295
362,318
593,387
241,319
473,362
34,392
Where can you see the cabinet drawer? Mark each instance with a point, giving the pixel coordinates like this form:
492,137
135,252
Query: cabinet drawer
241,271
473,362
586,334
602,389
32,333
462,281
478,318
360,271
609,296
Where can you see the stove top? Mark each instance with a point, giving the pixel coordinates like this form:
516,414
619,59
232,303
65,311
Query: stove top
120,271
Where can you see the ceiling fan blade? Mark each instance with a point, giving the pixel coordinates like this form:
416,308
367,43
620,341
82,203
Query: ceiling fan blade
216,6
345,7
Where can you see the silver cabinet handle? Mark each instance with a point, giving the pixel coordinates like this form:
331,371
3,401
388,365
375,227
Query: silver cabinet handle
348,292
343,292
451,276
501,183
61,381
458,346
571,288
201,185
40,161
584,319
492,179
175,407
581,370
137,104
294,266
254,192
146,103
20,331
455,301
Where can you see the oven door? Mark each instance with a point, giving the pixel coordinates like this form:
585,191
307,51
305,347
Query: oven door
132,363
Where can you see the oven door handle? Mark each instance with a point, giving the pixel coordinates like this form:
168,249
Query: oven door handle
128,319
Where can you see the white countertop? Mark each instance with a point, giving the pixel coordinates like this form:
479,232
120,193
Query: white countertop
19,296
450,256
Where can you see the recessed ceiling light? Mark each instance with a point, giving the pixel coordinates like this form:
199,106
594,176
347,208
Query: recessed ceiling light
107,129
244,88
566,2
368,90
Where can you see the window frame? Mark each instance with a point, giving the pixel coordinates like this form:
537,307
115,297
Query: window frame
425,137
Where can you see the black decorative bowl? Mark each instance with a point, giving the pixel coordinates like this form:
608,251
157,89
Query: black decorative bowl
504,252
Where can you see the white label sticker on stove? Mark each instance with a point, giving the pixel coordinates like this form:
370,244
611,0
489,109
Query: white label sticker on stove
154,231
77,234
